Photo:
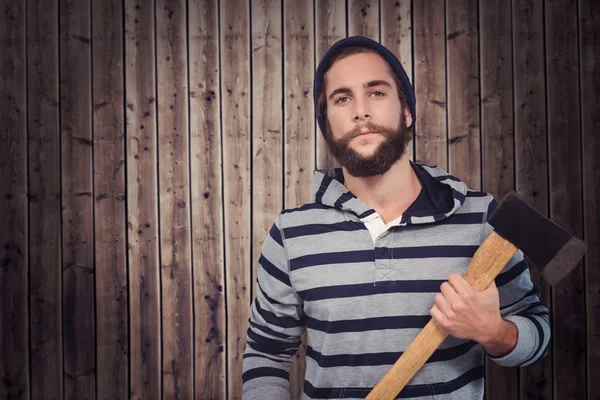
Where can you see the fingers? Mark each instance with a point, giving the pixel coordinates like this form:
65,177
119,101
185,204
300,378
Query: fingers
460,285
442,304
450,301
438,316
448,291
461,310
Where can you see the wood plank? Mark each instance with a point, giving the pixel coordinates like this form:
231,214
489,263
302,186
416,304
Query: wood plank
45,314
396,32
109,201
142,203
299,105
174,192
497,141
589,42
463,92
207,211
430,83
267,123
235,87
330,27
14,313
299,160
531,161
77,204
496,98
396,35
363,18
564,145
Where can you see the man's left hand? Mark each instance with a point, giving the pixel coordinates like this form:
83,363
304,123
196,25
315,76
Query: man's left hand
466,313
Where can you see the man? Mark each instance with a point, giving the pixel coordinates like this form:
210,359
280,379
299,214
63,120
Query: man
379,252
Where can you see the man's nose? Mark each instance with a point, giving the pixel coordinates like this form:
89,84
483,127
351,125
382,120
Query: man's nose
361,110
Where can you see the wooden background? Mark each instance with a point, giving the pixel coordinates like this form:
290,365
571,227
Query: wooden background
146,148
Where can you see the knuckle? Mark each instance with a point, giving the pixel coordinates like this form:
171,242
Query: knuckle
435,314
439,318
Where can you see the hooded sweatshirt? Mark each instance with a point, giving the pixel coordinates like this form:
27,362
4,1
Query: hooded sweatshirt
363,297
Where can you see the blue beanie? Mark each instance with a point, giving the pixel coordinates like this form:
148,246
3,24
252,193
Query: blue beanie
362,42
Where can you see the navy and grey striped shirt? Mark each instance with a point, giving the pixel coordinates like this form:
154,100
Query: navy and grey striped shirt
362,301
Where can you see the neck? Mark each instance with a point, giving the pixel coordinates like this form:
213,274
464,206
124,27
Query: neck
389,194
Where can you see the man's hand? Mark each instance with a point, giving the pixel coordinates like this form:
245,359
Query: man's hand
468,314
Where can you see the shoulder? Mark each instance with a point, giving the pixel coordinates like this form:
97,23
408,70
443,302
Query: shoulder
478,198
303,209
301,215
479,202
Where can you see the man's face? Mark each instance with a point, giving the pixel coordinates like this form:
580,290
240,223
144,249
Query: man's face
366,128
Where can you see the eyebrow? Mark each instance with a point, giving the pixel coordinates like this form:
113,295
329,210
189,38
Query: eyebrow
365,85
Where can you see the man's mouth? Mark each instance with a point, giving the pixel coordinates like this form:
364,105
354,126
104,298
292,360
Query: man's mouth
366,133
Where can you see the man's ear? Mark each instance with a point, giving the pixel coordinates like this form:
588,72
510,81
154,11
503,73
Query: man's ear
408,115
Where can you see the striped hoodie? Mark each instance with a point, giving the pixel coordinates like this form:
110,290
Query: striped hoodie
362,301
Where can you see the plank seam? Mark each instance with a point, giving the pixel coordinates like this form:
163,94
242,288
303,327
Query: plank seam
447,167
223,226
250,150
379,21
548,165
315,63
413,75
159,272
347,18
28,206
60,189
514,119
582,190
283,132
480,87
126,189
93,190
486,362
190,213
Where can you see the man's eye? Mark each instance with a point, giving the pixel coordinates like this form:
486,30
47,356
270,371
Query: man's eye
341,100
377,93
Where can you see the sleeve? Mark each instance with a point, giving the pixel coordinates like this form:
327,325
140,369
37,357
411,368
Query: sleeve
520,304
276,325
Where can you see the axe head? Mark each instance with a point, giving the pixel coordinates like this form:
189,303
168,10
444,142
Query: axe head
554,251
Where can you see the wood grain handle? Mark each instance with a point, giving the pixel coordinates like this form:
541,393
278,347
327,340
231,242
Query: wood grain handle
487,262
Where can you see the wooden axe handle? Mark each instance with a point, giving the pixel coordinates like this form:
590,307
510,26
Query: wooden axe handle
493,254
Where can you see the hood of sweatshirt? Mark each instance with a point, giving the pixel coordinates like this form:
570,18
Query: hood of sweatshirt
441,195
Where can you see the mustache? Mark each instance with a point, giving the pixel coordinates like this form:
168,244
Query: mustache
368,126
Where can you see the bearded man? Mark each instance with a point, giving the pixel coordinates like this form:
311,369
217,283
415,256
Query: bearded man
379,251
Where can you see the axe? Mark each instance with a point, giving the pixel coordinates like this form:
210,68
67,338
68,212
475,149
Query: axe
516,224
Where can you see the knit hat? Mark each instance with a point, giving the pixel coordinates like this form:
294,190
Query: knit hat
362,42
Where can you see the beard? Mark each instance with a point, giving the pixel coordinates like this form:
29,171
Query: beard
385,155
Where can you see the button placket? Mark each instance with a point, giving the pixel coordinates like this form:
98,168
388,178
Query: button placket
383,265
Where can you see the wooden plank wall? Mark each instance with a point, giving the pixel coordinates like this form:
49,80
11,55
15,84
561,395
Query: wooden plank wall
147,147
